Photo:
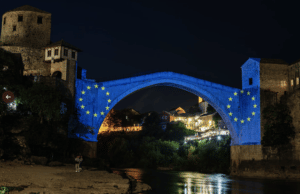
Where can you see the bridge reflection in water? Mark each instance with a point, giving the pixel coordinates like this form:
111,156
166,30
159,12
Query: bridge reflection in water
185,182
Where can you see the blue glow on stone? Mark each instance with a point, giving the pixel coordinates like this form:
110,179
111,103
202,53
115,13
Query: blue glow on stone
242,131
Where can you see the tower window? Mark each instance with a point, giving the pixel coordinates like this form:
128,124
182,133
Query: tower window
292,82
250,81
20,18
297,80
56,52
49,53
73,54
4,21
40,20
14,28
66,52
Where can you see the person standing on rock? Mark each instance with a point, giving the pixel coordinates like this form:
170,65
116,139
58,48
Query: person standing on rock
77,161
80,162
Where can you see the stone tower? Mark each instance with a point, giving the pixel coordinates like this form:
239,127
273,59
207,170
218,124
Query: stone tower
202,105
26,30
26,26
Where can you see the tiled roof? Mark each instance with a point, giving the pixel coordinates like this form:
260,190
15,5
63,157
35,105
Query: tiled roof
63,43
27,8
276,61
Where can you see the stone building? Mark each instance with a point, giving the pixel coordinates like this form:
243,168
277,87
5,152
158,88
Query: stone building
108,126
26,30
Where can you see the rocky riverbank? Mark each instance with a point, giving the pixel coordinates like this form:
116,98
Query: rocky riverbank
21,178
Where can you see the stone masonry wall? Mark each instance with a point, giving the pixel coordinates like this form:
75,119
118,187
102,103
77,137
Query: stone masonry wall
271,76
60,66
294,76
32,59
251,161
28,32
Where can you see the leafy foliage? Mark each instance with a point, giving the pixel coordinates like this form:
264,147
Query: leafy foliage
216,118
278,130
210,109
176,132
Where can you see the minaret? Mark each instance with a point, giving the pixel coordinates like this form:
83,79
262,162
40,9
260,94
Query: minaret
202,105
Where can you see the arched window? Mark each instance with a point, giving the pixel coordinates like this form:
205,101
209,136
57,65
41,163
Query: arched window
57,74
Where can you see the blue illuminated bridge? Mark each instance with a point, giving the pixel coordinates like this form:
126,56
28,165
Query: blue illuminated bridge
239,108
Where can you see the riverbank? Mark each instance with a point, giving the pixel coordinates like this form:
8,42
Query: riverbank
64,180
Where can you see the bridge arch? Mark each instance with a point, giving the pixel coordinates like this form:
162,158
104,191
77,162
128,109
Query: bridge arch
206,95
94,98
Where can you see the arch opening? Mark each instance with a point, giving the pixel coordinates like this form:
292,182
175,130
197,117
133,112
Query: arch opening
204,94
57,74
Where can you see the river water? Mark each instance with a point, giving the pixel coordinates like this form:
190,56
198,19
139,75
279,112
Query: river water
193,182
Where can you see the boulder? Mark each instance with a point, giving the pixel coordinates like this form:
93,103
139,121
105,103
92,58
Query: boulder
17,161
39,160
21,141
55,163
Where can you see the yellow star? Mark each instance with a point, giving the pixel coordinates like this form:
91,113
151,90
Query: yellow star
248,93
235,93
83,92
88,112
253,98
242,91
230,114
80,99
242,121
235,119
248,118
88,87
102,87
254,105
107,93
228,106
102,113
96,86
95,115
82,106
107,108
230,99
253,113
109,100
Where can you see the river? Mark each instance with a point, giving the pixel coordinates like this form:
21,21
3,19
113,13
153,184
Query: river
193,182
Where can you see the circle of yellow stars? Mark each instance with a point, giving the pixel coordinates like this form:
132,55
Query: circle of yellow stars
254,106
81,99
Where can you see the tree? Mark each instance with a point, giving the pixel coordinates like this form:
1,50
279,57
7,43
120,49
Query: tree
194,109
151,126
216,119
114,119
210,109
176,132
278,130
42,100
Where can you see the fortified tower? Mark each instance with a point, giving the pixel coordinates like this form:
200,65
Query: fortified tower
26,30
26,26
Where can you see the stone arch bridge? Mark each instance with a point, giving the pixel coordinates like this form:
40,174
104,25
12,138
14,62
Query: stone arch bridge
240,109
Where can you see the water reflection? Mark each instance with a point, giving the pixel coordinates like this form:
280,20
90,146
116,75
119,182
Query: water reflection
180,182
194,182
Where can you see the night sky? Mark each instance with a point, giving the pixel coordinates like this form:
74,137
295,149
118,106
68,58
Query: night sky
208,40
